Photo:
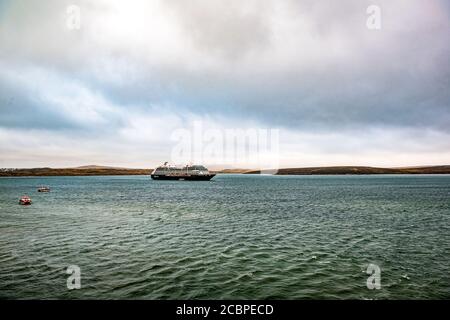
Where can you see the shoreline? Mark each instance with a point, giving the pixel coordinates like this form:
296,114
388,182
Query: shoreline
341,170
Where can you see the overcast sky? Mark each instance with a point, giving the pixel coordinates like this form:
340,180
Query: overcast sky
113,91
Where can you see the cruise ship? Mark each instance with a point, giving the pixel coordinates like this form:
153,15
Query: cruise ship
189,172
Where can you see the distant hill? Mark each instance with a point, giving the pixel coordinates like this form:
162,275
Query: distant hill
79,171
93,166
95,170
359,170
231,171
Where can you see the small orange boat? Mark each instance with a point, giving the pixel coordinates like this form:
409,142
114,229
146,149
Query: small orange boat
25,200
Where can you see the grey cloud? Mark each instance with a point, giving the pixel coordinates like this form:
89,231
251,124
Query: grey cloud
26,103
27,111
228,28
398,76
341,76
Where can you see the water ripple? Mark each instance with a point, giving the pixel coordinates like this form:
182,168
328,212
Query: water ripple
249,237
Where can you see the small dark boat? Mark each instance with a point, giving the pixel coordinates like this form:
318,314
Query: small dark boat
43,189
25,200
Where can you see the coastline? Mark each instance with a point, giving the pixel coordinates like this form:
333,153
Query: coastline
111,171
72,172
358,170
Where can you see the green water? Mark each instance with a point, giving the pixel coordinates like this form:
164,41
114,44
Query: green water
237,236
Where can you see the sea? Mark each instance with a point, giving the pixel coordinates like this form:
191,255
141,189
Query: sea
234,237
